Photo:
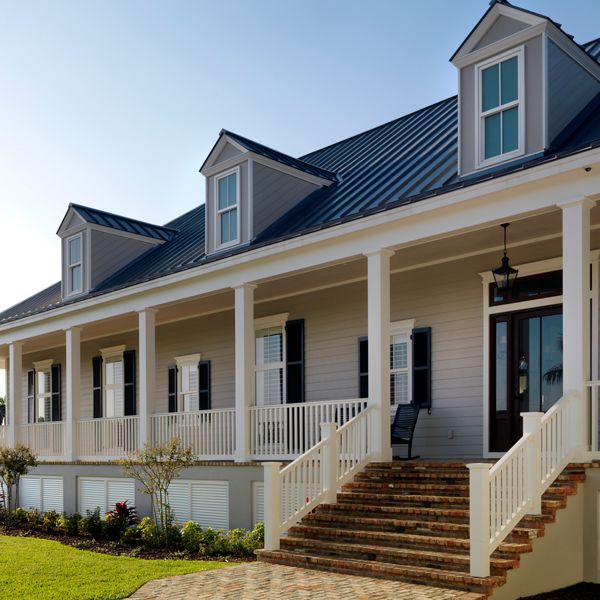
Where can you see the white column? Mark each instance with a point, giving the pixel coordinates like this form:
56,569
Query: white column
73,390
15,391
244,368
330,460
272,504
479,519
576,312
147,372
532,424
379,350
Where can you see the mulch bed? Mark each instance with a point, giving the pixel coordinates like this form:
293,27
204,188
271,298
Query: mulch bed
114,549
581,591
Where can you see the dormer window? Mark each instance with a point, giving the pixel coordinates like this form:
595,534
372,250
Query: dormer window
501,122
74,269
227,194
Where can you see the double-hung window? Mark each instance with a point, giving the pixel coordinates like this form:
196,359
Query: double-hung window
270,360
188,385
114,380
228,195
43,391
74,264
401,362
501,118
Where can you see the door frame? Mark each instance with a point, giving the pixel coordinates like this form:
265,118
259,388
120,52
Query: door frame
533,268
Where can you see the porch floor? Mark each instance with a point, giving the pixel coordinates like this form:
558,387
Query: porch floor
277,582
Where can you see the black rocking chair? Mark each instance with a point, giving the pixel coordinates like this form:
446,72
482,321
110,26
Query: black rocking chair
403,427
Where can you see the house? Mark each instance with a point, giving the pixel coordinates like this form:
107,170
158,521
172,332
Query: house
287,318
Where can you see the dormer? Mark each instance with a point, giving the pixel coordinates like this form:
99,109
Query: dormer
96,244
249,186
522,81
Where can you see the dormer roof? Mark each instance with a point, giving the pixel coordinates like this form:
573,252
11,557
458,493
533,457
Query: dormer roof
94,216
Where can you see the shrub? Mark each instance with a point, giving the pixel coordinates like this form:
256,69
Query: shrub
50,521
71,524
20,515
255,538
14,463
236,542
214,542
149,533
118,520
191,536
92,524
34,518
131,536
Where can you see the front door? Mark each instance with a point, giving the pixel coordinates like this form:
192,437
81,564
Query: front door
526,370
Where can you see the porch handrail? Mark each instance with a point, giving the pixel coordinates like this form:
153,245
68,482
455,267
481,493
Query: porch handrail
45,439
315,476
3,436
502,494
108,437
285,431
209,433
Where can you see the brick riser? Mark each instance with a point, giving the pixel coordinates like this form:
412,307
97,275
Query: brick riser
410,522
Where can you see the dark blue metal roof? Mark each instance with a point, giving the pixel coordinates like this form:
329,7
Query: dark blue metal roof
106,219
280,157
397,163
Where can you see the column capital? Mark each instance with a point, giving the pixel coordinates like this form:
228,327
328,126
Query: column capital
584,202
380,252
147,310
74,329
16,344
244,286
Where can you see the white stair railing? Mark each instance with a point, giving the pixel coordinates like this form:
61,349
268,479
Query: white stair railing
502,495
314,477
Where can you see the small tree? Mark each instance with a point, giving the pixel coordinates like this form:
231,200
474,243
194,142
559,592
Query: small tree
154,468
14,463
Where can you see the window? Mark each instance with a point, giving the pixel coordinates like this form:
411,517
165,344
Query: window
270,360
188,383
227,193
43,400
401,362
531,287
501,108
74,271
114,389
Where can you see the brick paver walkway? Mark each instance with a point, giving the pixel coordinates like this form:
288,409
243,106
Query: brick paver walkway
261,581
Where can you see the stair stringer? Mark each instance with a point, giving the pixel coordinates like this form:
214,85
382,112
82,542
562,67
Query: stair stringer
557,558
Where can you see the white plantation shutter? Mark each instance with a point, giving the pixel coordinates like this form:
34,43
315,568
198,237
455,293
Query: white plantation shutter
205,502
104,493
258,502
42,493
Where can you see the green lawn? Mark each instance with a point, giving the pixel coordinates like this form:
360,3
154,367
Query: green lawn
35,568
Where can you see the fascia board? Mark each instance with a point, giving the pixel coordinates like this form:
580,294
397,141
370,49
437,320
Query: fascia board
539,189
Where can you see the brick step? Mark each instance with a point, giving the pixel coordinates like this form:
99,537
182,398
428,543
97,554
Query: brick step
422,500
388,477
440,489
399,556
423,465
449,544
405,512
415,527
408,573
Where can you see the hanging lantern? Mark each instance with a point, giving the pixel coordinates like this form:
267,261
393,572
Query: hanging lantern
505,275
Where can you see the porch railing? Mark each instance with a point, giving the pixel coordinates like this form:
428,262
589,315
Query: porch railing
108,438
501,495
209,433
44,439
3,436
314,477
285,431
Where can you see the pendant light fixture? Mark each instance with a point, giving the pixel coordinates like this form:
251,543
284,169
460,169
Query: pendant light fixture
505,275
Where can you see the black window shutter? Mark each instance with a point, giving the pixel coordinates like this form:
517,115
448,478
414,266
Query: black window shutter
56,393
173,389
363,367
294,355
421,367
129,382
31,396
204,384
97,386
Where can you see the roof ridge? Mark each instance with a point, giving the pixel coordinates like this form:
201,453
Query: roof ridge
105,212
410,114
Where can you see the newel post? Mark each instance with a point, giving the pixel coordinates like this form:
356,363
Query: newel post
479,519
330,461
272,491
532,423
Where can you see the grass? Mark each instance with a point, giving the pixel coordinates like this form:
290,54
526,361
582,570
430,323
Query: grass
36,568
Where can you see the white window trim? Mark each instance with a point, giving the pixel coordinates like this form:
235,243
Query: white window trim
42,366
278,320
482,162
218,213
188,360
404,327
70,266
112,354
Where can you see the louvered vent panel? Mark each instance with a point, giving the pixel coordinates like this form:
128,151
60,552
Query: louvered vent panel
31,492
52,494
179,501
258,502
92,494
119,490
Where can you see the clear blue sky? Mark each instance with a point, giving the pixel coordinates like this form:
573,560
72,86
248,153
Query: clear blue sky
115,104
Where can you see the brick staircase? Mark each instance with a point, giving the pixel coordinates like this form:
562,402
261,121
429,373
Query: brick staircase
409,521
